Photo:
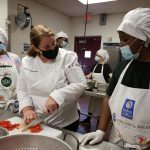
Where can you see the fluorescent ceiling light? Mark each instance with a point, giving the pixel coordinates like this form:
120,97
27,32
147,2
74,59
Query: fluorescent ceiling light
94,1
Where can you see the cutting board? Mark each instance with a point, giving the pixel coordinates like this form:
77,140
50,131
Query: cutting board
47,131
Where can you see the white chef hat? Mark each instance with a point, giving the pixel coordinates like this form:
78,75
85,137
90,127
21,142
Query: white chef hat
61,34
3,36
137,23
104,54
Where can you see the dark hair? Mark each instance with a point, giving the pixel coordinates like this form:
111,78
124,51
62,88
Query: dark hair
36,35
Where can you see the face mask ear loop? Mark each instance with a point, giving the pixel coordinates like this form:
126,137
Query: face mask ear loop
139,51
132,42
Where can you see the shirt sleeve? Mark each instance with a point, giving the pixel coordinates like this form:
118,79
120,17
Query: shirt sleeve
112,84
107,71
115,76
22,94
76,82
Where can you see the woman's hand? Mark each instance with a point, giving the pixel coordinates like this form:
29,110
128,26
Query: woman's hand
51,105
89,76
28,114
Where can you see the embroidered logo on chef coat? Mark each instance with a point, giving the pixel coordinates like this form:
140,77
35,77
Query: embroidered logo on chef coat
30,70
128,109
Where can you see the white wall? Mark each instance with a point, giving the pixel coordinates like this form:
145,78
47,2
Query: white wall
40,15
3,14
94,27
57,21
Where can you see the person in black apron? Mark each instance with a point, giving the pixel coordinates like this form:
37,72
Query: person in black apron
101,74
127,101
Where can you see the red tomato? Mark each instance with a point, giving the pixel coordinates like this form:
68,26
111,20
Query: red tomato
7,125
35,129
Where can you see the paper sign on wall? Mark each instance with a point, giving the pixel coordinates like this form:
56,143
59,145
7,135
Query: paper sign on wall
26,46
87,54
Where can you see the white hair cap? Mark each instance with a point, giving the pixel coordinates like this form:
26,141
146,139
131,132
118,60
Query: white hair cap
3,36
61,34
137,23
104,54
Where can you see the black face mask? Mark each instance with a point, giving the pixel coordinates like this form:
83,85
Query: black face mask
50,54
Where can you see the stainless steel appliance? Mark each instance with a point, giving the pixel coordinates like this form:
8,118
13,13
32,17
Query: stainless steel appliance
114,53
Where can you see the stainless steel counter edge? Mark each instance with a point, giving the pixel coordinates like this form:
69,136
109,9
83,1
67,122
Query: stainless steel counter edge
102,146
99,94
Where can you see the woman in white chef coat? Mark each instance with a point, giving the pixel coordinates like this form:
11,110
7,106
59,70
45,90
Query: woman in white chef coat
128,96
101,74
9,71
50,81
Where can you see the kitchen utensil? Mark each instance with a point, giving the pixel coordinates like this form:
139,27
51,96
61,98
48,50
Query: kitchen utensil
90,84
3,132
32,142
102,87
36,121
47,131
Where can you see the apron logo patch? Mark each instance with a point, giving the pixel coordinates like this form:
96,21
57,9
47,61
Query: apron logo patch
128,109
140,139
6,81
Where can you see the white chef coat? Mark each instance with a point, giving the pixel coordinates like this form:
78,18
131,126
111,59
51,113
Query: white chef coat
62,79
130,114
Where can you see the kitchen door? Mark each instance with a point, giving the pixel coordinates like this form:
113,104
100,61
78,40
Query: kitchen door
86,48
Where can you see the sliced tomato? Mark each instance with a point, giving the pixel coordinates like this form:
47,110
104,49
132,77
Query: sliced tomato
35,129
8,125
